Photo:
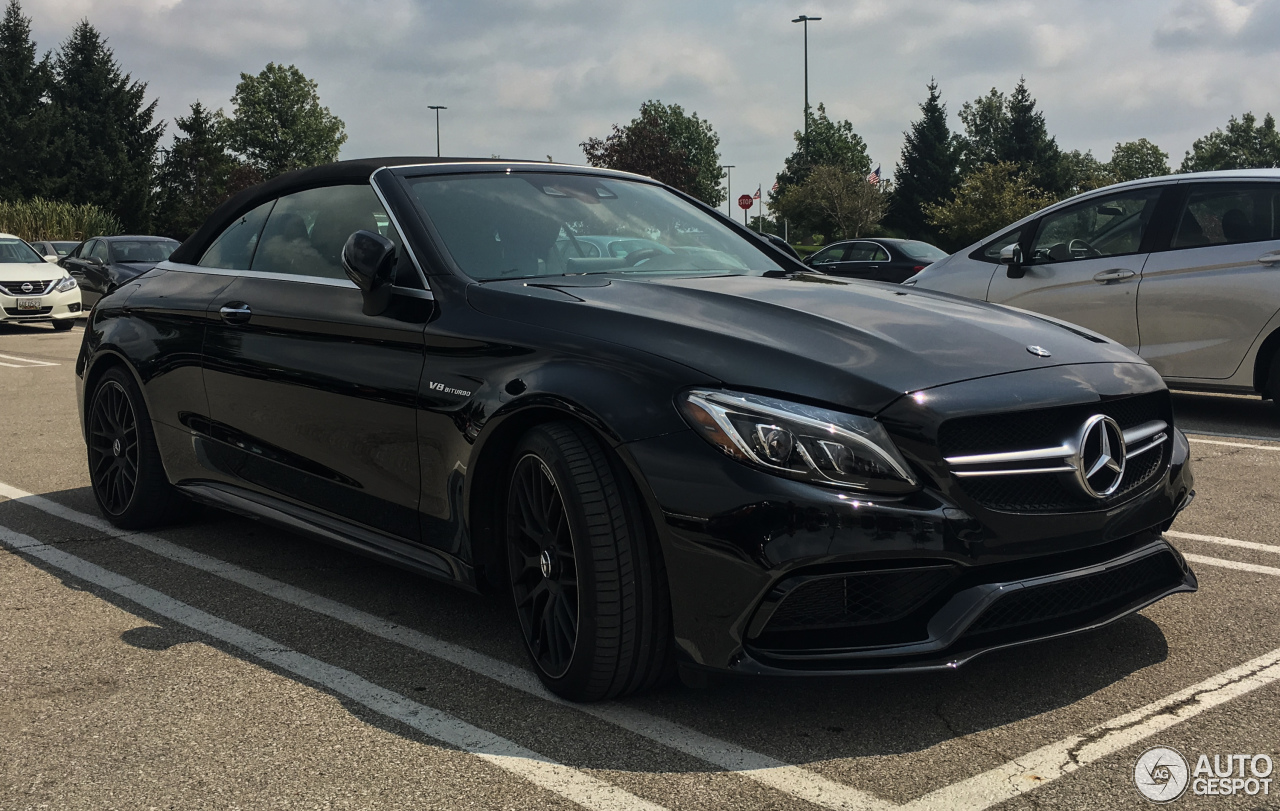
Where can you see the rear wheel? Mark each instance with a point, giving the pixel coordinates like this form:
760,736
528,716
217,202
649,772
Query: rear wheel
129,482
587,578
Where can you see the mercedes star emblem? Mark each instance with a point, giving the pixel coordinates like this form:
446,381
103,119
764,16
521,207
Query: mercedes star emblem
1100,456
1039,351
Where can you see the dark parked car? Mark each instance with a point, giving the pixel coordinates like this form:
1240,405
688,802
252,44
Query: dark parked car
878,259
703,455
102,264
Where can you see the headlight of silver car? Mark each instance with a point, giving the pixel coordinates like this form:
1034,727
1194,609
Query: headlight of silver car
799,441
68,283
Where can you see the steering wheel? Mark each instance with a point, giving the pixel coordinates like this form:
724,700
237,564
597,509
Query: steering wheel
1079,249
636,257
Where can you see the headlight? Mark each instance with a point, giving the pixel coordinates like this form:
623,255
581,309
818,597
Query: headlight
66,284
910,282
799,441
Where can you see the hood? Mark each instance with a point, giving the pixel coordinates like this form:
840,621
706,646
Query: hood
30,271
857,344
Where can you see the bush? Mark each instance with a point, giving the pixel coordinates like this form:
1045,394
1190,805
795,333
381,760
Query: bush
39,219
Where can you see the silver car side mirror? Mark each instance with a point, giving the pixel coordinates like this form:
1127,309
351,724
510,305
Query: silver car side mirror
1011,258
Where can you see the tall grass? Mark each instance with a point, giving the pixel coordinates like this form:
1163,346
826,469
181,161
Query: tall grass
40,219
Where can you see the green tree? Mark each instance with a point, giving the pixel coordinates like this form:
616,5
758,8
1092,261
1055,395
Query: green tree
1082,172
987,200
24,114
278,124
665,143
1010,129
826,143
834,195
104,144
1243,145
929,170
1134,160
195,175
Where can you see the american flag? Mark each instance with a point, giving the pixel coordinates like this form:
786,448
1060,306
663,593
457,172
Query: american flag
874,177
775,187
756,196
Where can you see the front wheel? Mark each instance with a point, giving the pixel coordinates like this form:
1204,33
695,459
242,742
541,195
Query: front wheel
129,482
63,325
586,575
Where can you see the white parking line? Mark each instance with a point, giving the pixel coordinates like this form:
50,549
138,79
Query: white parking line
1065,756
25,363
784,777
1200,441
1233,564
974,794
1257,547
570,783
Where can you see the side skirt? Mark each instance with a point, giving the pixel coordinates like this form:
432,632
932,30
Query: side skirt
328,529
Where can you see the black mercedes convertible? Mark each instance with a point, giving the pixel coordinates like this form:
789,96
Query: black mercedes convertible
672,446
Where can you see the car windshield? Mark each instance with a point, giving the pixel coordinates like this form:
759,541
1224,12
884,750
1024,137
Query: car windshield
15,252
64,248
524,225
152,250
922,251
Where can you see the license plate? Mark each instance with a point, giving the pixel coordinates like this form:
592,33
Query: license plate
28,304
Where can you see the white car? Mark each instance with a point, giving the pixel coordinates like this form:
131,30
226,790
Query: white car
32,289
1184,270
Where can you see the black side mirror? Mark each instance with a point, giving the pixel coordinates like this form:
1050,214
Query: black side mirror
1011,258
369,260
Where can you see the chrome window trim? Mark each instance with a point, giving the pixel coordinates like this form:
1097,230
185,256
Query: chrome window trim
413,257
261,274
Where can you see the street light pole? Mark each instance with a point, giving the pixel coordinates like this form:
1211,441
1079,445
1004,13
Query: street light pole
437,108
728,186
806,20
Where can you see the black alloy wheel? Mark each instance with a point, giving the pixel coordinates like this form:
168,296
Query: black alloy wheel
129,481
587,576
113,448
544,572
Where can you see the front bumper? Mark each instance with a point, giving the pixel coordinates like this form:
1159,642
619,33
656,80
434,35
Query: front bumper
52,307
739,544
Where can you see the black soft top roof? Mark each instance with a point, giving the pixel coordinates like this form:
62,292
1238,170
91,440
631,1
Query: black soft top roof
330,174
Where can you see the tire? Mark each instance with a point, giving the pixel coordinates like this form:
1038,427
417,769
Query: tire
129,482
586,574
64,324
1271,391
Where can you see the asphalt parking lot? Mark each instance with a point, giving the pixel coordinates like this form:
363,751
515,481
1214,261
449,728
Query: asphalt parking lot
224,664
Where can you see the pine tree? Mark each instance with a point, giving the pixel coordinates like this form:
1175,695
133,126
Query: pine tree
24,125
929,171
105,141
195,175
1029,145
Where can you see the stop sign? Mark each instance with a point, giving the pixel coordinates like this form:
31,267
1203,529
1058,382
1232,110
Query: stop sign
745,202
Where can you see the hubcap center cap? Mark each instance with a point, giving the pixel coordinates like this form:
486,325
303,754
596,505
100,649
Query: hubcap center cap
545,562
117,448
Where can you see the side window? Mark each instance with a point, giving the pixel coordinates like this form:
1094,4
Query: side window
1227,215
866,252
828,256
991,251
1107,226
99,251
78,250
234,247
306,231
880,254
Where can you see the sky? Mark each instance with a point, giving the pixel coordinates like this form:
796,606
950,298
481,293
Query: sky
534,78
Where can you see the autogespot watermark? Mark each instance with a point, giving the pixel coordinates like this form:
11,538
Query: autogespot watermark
1163,775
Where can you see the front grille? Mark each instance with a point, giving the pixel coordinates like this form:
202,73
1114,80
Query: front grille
1045,428
1081,599
863,598
38,288
16,311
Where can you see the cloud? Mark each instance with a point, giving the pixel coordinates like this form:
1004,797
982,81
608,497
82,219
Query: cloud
536,77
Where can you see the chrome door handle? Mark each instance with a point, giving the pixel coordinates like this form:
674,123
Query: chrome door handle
236,312
1114,275
1269,258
